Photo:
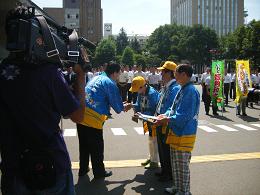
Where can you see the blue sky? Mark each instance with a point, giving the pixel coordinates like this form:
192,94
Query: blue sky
142,16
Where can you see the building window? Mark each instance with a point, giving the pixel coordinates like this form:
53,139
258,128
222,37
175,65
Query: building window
68,15
77,16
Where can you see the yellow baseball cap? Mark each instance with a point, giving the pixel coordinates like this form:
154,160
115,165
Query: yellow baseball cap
137,83
169,65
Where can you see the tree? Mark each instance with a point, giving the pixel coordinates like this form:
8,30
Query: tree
244,43
135,45
128,56
121,42
173,42
140,59
105,52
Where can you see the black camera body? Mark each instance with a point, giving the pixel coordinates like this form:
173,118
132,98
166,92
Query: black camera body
42,43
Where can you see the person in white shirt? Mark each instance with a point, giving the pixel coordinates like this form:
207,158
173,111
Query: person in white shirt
254,79
122,83
137,73
227,83
233,85
130,79
203,79
193,78
153,78
89,76
207,98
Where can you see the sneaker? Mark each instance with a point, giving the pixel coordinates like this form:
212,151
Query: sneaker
83,172
170,190
106,174
146,162
152,165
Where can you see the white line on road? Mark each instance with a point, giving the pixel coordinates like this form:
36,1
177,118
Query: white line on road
226,128
257,125
207,129
118,131
140,130
70,133
245,127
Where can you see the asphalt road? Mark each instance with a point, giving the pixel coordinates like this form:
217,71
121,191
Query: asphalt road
227,134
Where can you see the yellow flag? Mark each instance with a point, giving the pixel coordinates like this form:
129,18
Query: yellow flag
243,80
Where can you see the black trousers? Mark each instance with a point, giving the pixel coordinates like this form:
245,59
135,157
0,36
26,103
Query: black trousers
226,92
123,90
164,153
91,144
232,91
129,94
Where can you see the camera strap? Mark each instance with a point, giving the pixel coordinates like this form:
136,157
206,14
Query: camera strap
50,47
73,52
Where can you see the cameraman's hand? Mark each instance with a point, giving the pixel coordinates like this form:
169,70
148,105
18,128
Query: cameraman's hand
78,70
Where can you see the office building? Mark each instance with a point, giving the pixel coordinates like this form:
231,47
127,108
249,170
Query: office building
223,16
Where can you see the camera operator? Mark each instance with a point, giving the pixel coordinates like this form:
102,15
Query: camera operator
34,156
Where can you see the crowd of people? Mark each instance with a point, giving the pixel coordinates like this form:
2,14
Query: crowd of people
229,91
166,92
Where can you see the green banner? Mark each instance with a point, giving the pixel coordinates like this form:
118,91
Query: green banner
216,83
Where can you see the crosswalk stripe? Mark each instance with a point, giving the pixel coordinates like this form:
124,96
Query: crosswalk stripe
245,127
140,130
207,129
118,131
257,125
70,133
226,128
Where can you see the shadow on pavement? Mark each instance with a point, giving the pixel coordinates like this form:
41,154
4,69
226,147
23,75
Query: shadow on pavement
220,117
146,184
249,119
149,184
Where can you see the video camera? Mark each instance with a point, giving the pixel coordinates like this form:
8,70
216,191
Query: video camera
42,41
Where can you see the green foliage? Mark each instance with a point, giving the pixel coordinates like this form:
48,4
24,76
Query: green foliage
105,52
140,59
173,42
244,43
135,45
128,56
121,42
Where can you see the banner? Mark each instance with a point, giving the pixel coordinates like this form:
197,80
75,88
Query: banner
216,83
243,80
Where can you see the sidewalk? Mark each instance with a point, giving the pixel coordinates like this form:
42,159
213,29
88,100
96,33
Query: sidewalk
241,177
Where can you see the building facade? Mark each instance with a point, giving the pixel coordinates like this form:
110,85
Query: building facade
91,20
108,30
71,14
223,16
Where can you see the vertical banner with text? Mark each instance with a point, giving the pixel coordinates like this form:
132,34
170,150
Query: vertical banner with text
216,83
243,80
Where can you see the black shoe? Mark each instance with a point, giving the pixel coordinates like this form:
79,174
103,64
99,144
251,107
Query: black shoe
158,174
83,172
216,114
207,113
165,178
238,114
106,174
244,114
